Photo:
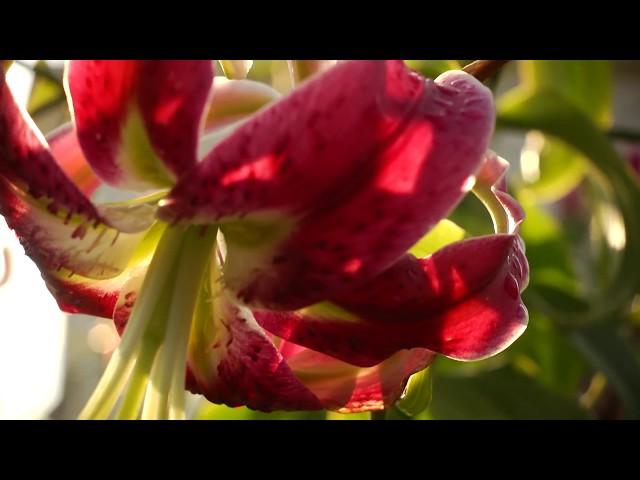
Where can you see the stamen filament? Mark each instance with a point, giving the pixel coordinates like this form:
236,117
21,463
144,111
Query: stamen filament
153,351
168,379
117,373
109,387
151,407
152,340
495,208
132,401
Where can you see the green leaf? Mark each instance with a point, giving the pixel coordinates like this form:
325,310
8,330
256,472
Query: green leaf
587,85
611,353
348,416
558,170
551,113
210,411
418,394
547,248
444,233
544,352
500,394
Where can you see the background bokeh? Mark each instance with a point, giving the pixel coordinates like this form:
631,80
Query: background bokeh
571,132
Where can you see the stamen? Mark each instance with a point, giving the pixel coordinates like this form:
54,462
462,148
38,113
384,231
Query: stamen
153,351
168,379
132,400
498,214
152,340
123,359
109,387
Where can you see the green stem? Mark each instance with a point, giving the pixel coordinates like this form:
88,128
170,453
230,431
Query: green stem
624,134
484,69
495,208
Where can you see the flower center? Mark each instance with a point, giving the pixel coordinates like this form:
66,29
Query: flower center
147,370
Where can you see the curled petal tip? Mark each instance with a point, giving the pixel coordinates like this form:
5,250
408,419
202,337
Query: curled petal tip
139,122
492,171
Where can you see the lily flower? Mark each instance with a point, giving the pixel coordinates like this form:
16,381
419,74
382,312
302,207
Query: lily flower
275,253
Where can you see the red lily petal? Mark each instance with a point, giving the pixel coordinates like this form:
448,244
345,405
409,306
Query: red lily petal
55,240
347,388
233,361
26,162
139,121
66,150
239,365
107,298
57,225
491,175
77,294
350,170
463,301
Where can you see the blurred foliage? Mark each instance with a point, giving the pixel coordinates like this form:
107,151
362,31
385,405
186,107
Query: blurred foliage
579,357
48,103
587,84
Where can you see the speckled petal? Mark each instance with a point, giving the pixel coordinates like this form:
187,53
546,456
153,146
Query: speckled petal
138,122
331,185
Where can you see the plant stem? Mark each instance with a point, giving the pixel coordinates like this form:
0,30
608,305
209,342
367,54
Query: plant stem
484,69
624,134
